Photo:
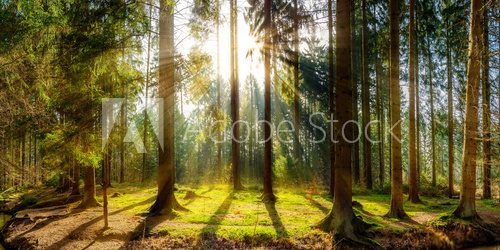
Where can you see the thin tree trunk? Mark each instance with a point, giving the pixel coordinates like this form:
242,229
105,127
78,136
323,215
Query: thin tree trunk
486,108
433,123
467,205
219,105
331,84
417,101
413,192
145,129
367,148
268,194
296,92
396,209
451,157
235,114
354,65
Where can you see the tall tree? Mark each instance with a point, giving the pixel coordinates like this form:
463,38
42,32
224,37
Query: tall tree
367,148
396,162
268,194
235,97
451,158
331,84
467,205
145,128
341,218
219,105
433,121
486,107
413,192
296,84
165,199
354,65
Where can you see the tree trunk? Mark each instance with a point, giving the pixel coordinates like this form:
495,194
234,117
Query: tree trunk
165,200
451,157
396,162
235,114
417,102
268,195
145,129
296,92
341,219
331,84
486,108
219,105
467,206
89,199
354,65
367,148
75,190
413,192
380,118
433,123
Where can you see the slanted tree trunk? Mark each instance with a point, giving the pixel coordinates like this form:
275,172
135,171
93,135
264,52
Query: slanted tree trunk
165,200
413,192
367,148
433,123
451,158
486,108
396,209
268,195
331,84
467,205
235,114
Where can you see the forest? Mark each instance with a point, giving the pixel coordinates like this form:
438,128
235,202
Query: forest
241,124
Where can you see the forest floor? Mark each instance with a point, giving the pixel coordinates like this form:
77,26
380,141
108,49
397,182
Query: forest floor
220,218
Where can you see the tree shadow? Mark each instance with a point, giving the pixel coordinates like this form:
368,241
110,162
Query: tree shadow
317,205
63,242
207,234
275,218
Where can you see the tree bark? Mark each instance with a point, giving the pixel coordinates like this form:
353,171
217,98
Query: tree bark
396,209
467,205
89,199
296,84
268,194
331,84
367,148
486,89
341,218
451,157
413,191
145,129
433,123
165,201
354,65
235,114
219,105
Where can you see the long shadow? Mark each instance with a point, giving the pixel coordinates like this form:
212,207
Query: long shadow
61,243
275,218
318,205
208,232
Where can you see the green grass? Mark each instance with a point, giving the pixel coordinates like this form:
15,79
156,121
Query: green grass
237,215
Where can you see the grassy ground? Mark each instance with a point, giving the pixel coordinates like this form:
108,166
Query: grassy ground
217,209
221,218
